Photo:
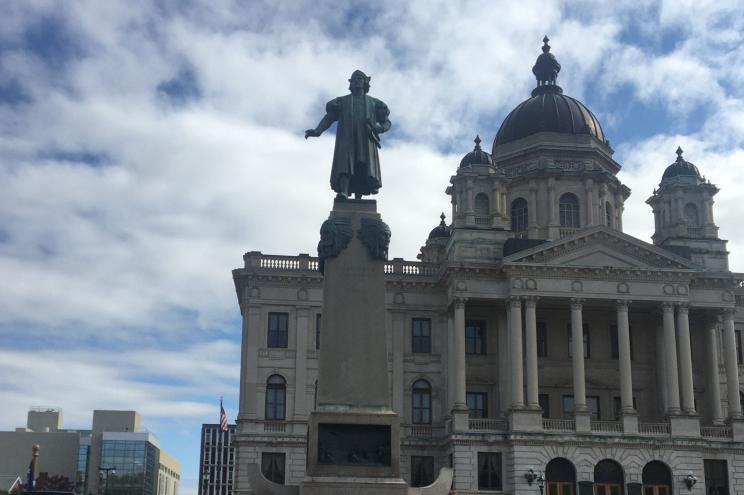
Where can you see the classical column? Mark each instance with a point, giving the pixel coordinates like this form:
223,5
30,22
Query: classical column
460,366
252,333
399,344
515,341
670,346
623,340
530,322
685,360
732,366
577,351
504,367
714,398
300,398
661,380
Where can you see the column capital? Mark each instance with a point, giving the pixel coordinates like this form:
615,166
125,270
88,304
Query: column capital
622,304
459,302
530,301
514,301
728,313
577,302
667,307
683,307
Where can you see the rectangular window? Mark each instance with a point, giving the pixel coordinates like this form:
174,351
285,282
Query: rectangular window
716,476
475,337
272,466
542,339
587,354
278,331
422,470
592,404
421,335
489,471
477,404
317,331
739,359
544,401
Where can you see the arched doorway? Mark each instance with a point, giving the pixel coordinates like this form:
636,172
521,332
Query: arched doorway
657,479
560,477
608,478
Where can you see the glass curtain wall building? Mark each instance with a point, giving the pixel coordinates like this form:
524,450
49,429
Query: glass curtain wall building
136,459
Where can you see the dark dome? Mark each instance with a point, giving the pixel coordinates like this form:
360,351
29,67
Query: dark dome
548,110
681,168
440,231
477,156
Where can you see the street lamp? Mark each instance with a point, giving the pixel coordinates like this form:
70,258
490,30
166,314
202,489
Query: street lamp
540,482
107,471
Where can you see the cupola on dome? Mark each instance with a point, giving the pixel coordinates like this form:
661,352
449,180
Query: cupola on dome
548,110
477,156
441,231
680,168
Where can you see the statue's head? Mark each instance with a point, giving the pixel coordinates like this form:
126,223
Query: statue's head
359,80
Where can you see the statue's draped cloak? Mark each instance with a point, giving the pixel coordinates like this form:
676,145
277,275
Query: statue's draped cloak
355,153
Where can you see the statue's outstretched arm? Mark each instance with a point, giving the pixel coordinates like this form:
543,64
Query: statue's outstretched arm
323,125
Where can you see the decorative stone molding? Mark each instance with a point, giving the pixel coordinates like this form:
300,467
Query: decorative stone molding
531,284
302,294
668,290
335,234
459,302
727,296
623,288
577,286
682,290
399,298
577,303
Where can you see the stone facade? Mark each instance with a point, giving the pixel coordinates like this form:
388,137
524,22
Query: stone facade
532,334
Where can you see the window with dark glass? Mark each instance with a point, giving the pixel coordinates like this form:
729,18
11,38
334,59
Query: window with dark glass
489,471
276,397
481,204
592,404
542,339
421,335
475,337
587,353
569,211
421,397
272,466
608,214
422,470
716,476
477,404
656,478
278,332
544,401
317,331
519,215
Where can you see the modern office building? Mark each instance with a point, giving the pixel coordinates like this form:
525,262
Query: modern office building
532,335
114,456
216,460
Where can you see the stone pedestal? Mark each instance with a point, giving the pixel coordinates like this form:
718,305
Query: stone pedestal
525,420
630,423
683,425
583,421
354,435
737,429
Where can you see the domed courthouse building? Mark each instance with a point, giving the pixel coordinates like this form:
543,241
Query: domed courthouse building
533,342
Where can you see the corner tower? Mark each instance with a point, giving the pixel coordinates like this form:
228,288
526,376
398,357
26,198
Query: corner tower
683,216
557,161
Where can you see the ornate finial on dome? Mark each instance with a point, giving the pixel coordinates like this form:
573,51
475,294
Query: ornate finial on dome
546,47
477,156
679,154
477,142
442,224
546,71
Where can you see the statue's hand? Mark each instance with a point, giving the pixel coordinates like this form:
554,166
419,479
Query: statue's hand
311,133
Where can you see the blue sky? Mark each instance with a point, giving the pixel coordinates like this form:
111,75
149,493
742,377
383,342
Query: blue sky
145,146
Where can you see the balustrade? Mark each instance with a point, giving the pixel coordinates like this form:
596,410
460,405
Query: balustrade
607,426
482,424
303,262
559,424
654,428
722,432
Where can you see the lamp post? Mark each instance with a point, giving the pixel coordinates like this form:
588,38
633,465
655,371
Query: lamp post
106,471
540,482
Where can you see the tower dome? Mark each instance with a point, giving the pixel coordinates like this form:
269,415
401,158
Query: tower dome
680,168
548,110
441,231
477,156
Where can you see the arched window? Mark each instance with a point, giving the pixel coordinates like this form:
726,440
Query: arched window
421,402
608,478
481,204
560,477
568,206
691,214
608,214
657,479
519,215
276,398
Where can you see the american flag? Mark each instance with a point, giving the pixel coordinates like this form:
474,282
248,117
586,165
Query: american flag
223,418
